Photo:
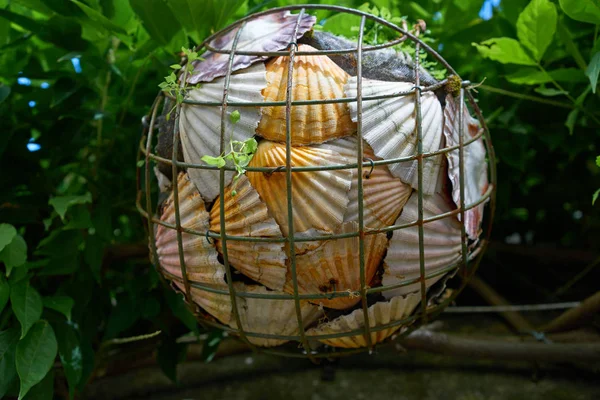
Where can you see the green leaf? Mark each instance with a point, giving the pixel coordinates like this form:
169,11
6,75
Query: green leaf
598,161
43,390
4,93
168,355
14,254
504,50
234,117
533,76
200,18
595,196
4,292
62,304
571,119
544,91
70,353
582,10
536,27
8,347
251,145
62,203
593,70
26,304
7,233
218,161
567,38
157,18
35,355
99,18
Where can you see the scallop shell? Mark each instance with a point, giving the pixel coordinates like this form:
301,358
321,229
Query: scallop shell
335,267
441,239
314,78
476,179
271,32
246,215
200,126
389,127
275,317
216,304
200,256
319,198
384,195
380,313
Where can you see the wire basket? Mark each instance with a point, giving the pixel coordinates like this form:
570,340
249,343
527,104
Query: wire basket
370,331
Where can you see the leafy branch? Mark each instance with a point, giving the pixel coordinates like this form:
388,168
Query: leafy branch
240,153
179,90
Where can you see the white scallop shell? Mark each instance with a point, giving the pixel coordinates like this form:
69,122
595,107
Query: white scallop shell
380,313
270,316
247,215
271,32
200,256
441,239
216,304
335,267
389,128
319,198
200,126
476,179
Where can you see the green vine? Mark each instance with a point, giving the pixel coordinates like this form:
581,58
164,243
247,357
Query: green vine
175,89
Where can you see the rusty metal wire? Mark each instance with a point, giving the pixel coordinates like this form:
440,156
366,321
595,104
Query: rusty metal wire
466,266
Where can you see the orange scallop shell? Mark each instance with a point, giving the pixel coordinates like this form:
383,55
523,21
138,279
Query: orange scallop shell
314,78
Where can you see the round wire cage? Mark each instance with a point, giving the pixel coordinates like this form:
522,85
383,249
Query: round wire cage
470,253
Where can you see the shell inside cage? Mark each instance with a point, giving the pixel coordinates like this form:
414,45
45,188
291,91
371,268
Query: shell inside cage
318,228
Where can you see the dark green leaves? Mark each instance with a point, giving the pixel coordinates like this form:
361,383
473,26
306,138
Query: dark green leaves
593,70
536,27
504,50
70,352
26,304
62,304
158,19
7,233
582,10
14,254
62,203
8,346
4,292
35,355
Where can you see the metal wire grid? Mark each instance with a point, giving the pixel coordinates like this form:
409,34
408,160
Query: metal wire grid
466,266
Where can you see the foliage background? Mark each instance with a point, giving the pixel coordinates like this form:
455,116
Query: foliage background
76,77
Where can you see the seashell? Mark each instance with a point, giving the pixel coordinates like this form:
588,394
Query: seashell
319,198
389,126
384,195
200,126
476,179
314,78
335,267
441,240
164,183
246,215
271,32
200,256
270,316
380,313
216,304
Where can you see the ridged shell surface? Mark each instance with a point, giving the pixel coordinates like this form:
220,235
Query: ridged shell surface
319,198
384,195
475,166
380,313
441,239
268,316
314,78
389,126
200,126
246,215
200,256
216,304
335,267
271,32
